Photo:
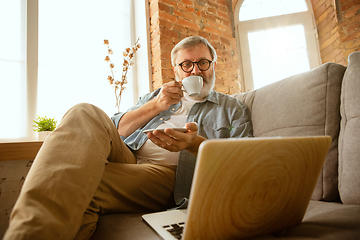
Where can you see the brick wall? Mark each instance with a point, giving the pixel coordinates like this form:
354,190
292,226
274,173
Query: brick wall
172,20
338,25
349,27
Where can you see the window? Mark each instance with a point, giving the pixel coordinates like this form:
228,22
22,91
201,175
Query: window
64,61
276,39
12,68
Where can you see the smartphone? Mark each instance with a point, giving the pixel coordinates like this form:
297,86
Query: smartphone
162,130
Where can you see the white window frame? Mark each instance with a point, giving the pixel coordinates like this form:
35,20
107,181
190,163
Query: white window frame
242,28
141,74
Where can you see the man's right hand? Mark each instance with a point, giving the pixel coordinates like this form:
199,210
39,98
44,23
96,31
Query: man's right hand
170,94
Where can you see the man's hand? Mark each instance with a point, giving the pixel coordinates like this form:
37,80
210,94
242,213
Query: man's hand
170,94
175,141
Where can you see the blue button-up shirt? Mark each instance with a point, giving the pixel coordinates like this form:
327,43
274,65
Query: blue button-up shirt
218,116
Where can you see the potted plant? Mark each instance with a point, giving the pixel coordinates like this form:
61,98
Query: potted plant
44,126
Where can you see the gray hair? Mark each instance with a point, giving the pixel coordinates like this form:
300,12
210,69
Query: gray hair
190,42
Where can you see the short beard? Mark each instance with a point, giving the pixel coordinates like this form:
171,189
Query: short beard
208,84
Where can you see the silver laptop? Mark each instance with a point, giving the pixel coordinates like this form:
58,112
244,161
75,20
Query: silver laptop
244,188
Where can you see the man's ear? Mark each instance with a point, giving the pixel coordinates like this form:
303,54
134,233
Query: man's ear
214,65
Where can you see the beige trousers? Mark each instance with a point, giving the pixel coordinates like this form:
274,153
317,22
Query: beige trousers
82,170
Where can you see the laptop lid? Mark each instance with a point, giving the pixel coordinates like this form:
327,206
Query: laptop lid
249,187
243,188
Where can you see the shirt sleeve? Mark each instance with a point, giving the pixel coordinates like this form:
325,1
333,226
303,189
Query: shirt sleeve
240,125
142,100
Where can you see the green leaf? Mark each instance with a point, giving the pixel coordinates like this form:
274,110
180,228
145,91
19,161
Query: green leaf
44,124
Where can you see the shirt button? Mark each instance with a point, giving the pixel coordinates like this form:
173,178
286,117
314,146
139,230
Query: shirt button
161,119
173,109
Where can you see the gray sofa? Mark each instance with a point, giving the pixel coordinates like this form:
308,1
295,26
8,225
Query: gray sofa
323,101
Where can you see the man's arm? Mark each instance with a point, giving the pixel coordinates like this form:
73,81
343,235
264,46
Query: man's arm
170,93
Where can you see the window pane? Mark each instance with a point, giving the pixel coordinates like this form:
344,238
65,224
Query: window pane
254,9
12,70
71,54
277,53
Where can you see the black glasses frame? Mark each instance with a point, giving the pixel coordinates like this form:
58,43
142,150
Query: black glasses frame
193,64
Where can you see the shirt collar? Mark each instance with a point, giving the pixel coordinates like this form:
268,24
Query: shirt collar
212,97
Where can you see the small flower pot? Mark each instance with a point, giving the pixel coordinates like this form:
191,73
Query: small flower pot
43,135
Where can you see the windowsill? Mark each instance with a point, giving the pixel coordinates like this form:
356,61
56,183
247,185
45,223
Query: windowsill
19,150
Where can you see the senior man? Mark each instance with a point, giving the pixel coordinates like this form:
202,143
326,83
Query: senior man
91,165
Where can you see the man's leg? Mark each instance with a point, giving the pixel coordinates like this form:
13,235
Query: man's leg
65,175
129,188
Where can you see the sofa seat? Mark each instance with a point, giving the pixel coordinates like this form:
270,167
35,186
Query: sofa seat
323,220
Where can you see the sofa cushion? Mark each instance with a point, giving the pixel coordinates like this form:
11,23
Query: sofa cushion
326,221
349,139
123,227
304,104
323,220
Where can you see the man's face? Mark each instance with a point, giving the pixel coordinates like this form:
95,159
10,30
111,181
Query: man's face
196,54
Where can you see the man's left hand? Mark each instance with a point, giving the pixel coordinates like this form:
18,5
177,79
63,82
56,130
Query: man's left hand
174,141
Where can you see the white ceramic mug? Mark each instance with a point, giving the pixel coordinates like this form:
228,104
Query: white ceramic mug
193,85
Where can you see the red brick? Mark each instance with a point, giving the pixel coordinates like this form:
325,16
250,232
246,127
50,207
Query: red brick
170,2
320,10
156,54
351,12
153,9
157,65
168,73
157,82
219,81
167,16
222,2
222,89
212,24
179,28
212,10
232,83
222,14
189,24
177,13
154,18
351,37
204,34
327,50
155,34
165,24
166,8
169,33
166,64
199,7
353,27
190,9
324,37
187,2
188,16
157,74
349,4
209,16
166,56
235,90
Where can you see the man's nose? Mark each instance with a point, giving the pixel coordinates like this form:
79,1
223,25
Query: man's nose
195,70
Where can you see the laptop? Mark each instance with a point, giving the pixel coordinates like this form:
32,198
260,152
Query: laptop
244,188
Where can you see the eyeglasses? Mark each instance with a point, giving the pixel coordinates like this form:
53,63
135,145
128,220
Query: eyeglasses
188,66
